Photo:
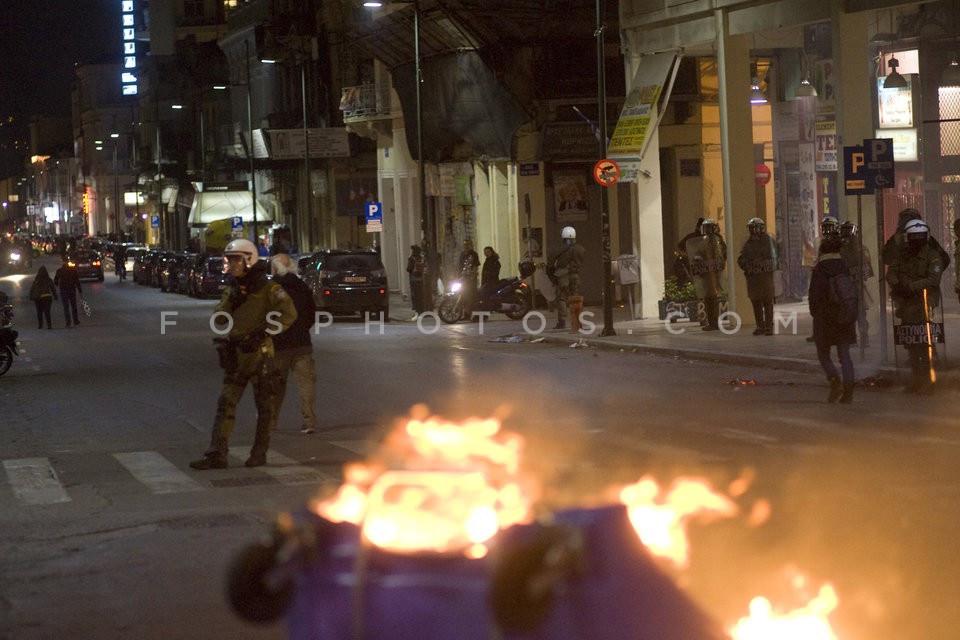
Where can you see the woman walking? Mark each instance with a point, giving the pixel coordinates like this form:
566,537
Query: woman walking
43,293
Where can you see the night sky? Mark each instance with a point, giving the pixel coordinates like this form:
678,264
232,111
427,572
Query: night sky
41,41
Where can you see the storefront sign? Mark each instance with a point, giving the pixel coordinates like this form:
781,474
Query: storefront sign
825,138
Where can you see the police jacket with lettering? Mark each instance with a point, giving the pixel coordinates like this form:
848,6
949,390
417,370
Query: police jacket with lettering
914,271
255,304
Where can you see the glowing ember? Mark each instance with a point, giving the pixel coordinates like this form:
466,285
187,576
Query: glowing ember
661,520
437,487
807,623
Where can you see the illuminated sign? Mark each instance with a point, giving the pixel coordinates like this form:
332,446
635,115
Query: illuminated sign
128,77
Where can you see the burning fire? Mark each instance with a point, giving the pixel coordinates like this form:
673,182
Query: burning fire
806,623
442,487
661,519
439,487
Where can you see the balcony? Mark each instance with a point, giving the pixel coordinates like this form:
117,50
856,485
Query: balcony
366,102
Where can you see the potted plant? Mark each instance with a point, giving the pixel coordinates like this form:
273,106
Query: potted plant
677,299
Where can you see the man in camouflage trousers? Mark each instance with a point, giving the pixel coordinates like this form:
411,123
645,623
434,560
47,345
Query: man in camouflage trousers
257,309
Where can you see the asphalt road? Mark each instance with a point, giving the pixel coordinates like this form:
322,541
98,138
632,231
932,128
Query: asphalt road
107,533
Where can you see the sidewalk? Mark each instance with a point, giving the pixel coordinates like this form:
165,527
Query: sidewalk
788,349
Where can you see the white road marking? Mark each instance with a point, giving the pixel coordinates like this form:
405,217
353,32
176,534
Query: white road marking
156,472
34,481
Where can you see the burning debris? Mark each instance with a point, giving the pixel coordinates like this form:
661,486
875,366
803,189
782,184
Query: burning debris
742,382
441,534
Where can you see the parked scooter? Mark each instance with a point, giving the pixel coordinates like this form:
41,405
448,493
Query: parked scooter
8,336
512,298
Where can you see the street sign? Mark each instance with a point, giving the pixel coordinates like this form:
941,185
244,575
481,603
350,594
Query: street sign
236,222
761,175
857,177
880,161
154,222
606,172
374,216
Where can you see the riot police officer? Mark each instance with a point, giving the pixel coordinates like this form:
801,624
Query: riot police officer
758,260
708,261
253,308
914,279
566,267
860,265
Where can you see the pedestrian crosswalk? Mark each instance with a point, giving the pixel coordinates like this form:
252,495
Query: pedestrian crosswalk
35,481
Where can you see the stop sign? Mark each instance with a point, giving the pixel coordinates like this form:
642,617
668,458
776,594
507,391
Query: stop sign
761,174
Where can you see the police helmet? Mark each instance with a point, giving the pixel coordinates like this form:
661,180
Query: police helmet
244,248
829,226
916,230
756,226
568,233
709,227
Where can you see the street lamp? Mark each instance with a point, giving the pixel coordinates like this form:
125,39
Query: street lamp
427,226
302,59
116,184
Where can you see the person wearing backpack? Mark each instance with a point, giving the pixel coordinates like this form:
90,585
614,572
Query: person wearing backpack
914,279
832,325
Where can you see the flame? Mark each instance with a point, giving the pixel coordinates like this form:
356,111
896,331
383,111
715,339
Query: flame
806,623
661,520
438,487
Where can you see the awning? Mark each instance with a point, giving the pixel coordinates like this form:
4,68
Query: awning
216,205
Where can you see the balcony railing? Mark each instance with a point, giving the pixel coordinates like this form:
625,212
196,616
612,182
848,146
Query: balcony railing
365,102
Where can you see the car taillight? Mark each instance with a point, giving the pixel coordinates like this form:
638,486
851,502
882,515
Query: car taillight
71,264
96,263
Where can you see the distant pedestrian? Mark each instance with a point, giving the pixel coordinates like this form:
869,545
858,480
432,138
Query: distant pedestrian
914,279
758,260
489,273
293,350
416,270
828,330
68,280
469,265
43,292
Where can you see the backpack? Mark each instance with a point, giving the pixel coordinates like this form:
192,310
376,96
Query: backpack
844,301
418,268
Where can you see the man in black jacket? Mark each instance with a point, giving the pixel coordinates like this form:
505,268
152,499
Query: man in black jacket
67,279
293,347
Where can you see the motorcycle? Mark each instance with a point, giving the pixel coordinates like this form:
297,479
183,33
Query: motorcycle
512,297
8,336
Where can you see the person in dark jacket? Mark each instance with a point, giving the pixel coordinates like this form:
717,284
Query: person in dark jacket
293,348
489,273
43,292
68,280
417,268
827,330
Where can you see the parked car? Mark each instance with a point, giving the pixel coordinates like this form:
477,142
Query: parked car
208,278
173,269
88,263
143,264
345,282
